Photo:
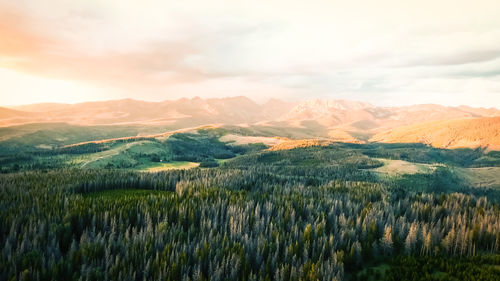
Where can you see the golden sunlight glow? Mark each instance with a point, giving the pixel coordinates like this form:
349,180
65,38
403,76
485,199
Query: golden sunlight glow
386,52
46,90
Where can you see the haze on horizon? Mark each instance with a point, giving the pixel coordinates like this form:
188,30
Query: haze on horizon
385,53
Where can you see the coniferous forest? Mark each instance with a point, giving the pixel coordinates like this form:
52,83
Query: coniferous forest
317,213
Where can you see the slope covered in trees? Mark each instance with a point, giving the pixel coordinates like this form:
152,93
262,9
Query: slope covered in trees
315,213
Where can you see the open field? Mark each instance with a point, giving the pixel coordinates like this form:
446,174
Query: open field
480,177
397,167
103,156
242,140
157,167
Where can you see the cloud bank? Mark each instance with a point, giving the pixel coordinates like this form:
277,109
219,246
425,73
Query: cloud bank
385,52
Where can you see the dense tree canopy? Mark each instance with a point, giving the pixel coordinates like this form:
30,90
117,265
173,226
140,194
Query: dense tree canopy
302,214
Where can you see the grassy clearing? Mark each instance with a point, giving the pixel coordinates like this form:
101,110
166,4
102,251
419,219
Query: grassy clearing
477,177
243,140
157,167
222,161
123,155
146,148
480,177
397,167
94,159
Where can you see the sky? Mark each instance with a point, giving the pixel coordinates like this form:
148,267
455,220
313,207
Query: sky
384,52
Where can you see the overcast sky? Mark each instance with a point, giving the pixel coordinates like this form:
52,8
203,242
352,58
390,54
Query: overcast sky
383,52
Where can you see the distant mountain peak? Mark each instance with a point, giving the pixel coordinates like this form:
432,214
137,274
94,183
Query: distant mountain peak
318,116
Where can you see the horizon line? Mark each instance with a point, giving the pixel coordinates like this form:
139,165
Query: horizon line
298,101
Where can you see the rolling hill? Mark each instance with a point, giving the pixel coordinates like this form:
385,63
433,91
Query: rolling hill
327,114
179,113
11,116
334,120
478,132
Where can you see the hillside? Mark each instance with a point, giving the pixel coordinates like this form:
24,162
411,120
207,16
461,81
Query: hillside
336,120
350,116
357,118
11,116
479,132
178,113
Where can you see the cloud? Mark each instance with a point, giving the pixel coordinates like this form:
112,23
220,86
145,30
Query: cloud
19,41
24,48
466,58
373,51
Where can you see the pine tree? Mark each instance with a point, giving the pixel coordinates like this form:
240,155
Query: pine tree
386,242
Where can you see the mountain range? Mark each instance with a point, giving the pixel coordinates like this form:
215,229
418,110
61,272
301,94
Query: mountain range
341,120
